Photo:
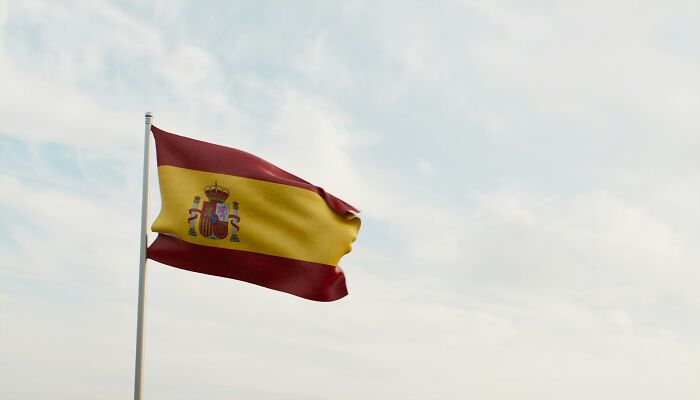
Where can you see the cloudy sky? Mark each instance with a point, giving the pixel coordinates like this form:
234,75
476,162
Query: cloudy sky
528,174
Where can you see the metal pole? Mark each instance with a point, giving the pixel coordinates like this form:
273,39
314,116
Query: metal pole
138,370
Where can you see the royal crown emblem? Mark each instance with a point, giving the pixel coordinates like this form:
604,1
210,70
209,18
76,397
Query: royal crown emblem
215,215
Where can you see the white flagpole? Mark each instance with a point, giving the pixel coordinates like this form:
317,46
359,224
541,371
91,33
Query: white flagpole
138,371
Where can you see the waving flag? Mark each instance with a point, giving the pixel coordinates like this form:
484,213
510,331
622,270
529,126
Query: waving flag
229,213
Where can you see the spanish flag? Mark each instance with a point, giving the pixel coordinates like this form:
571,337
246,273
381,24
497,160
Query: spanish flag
228,213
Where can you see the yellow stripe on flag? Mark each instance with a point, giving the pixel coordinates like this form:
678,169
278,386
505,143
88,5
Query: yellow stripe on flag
275,219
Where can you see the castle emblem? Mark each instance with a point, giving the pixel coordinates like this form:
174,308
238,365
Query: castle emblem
215,215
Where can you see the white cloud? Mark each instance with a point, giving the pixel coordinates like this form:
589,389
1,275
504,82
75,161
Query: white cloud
425,168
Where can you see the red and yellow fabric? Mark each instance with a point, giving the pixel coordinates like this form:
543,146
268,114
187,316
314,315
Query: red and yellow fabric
229,213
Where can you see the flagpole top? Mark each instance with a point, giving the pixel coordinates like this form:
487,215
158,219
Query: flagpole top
149,117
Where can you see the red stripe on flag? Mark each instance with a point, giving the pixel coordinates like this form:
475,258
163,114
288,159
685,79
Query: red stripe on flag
305,279
184,152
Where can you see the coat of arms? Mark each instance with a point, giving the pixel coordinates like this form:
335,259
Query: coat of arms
215,214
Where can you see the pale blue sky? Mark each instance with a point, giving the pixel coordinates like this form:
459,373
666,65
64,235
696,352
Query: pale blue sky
527,171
